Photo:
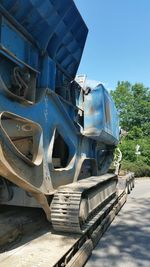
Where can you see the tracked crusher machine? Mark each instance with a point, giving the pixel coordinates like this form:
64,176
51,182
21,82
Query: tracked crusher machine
57,139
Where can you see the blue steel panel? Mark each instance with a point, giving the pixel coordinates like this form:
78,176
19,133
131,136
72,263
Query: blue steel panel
48,73
16,44
45,34
59,23
101,119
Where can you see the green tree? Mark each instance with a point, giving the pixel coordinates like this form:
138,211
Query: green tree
133,104
124,103
141,97
135,133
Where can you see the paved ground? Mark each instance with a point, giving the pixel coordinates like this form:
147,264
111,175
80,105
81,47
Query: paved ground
127,241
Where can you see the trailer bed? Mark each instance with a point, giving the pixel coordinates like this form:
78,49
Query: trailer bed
28,240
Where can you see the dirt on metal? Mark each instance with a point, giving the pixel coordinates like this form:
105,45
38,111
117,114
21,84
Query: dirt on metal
28,240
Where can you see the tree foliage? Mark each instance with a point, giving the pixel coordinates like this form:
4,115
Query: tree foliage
133,104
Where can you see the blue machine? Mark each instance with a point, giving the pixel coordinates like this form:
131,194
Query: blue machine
52,131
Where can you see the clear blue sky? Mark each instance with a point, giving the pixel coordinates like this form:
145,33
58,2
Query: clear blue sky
118,44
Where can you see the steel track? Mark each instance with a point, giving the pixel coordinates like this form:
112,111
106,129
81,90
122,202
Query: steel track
51,249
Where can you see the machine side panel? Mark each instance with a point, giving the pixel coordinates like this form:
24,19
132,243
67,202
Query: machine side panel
59,23
101,119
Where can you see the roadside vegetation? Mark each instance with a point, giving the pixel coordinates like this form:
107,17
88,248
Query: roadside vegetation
133,104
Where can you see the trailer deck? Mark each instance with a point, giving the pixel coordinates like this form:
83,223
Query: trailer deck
27,239
126,242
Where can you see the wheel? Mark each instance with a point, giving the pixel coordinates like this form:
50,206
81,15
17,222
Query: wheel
128,186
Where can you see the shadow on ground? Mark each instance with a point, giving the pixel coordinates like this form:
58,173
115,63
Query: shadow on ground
127,242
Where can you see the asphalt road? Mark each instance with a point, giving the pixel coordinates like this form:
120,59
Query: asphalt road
127,242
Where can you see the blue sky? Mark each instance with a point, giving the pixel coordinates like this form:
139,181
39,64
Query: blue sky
118,44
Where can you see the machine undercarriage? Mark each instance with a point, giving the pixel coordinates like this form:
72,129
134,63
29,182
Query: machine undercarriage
57,137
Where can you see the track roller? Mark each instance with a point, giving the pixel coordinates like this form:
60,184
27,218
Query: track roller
74,206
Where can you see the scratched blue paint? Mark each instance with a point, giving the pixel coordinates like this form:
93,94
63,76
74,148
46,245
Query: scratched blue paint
55,26
96,123
48,37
